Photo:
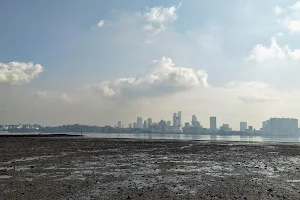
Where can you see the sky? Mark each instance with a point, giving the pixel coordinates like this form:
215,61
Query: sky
98,62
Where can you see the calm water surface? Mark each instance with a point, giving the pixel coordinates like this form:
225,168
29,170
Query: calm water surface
168,136
233,138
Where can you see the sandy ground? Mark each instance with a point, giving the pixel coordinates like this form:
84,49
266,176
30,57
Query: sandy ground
85,168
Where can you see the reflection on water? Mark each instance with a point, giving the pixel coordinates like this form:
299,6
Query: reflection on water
231,138
169,136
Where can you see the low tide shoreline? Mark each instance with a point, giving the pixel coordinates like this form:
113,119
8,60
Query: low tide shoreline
38,135
94,168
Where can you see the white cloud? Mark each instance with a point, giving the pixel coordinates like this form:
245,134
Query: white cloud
292,25
148,27
261,53
278,10
254,98
42,94
160,14
157,17
65,97
295,6
162,77
291,18
100,24
17,73
254,92
53,96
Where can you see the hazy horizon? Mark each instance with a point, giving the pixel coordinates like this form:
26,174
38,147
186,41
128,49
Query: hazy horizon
95,63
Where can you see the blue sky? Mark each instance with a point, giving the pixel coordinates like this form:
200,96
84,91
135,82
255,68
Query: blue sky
242,55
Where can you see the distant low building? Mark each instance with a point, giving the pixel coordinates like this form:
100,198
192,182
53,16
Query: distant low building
225,128
250,128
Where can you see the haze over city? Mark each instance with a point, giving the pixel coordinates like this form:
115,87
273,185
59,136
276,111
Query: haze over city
66,62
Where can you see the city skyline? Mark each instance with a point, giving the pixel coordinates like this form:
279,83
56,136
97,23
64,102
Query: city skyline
272,126
213,123
72,62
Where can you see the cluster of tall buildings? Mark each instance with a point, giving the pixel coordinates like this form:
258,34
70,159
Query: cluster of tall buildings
170,126
177,119
273,125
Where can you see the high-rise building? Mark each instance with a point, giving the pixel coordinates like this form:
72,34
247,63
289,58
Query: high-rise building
281,125
162,126
213,123
119,124
135,125
168,123
265,126
139,122
145,125
179,119
194,120
174,119
243,126
130,126
149,122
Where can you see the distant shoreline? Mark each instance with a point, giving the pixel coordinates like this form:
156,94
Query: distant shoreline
39,135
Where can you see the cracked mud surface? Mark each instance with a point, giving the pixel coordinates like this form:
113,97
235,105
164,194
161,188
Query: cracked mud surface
87,168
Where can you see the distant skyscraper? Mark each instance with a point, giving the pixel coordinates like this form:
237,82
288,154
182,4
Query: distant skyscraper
145,125
149,122
130,126
194,120
135,125
179,119
168,123
174,119
119,124
243,126
265,126
213,123
139,122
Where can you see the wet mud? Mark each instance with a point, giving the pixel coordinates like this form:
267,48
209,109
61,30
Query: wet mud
87,168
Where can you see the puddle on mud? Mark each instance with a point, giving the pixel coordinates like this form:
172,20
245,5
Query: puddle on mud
5,176
293,181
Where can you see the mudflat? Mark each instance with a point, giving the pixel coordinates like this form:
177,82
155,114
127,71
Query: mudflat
88,168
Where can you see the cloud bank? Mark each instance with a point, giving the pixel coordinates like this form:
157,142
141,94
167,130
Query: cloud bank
254,92
261,53
291,19
18,73
162,77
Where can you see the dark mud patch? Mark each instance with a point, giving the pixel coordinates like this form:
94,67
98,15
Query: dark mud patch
83,168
